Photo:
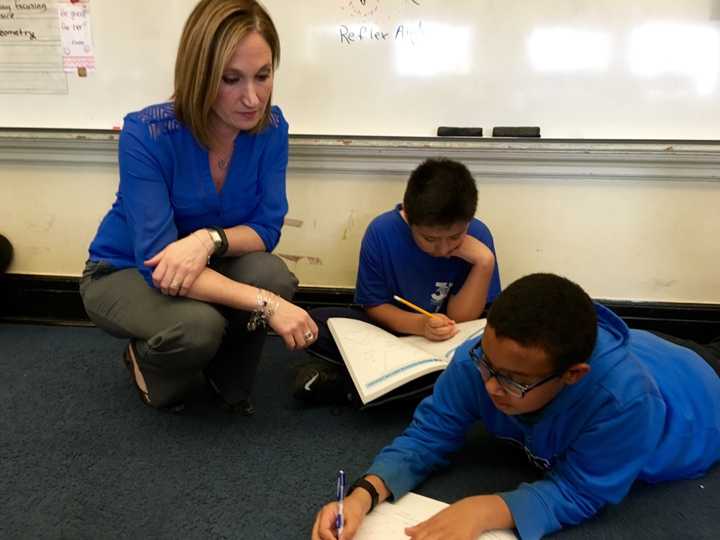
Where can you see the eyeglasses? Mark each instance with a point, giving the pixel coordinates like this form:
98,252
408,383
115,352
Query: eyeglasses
513,388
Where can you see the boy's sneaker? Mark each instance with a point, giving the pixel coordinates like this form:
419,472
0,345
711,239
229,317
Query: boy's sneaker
322,383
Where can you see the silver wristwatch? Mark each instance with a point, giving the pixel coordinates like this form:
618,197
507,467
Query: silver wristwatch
216,238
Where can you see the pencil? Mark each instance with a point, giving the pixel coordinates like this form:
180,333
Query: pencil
413,306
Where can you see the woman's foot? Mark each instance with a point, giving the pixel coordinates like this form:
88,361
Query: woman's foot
244,407
131,364
138,379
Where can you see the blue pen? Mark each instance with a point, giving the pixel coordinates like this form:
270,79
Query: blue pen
340,519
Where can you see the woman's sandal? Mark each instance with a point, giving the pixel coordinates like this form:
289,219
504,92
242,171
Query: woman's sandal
130,361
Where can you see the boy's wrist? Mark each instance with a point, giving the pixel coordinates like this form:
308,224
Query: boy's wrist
363,498
397,320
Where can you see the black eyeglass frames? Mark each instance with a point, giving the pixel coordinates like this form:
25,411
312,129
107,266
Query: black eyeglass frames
510,386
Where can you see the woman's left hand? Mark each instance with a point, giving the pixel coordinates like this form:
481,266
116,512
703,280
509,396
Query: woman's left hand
179,264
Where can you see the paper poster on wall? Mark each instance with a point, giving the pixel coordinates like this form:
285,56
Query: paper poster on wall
76,37
30,52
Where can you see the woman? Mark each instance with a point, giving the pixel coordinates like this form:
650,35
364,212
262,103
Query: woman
181,263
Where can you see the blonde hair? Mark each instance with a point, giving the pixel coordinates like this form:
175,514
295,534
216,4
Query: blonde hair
209,39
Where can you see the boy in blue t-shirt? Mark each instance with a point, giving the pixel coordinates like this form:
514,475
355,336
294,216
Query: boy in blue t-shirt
430,250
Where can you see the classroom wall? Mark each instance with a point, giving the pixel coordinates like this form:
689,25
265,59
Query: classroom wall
650,236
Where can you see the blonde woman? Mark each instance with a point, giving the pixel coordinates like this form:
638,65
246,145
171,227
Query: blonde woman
181,264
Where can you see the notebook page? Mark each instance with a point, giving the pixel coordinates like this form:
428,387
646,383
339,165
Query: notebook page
377,360
389,520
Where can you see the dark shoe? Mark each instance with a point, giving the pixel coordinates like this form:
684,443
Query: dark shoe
322,383
243,407
129,358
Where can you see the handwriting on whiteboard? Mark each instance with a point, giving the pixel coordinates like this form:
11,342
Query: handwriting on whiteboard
371,33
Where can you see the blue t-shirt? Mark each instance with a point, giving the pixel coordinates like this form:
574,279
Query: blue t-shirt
392,263
166,190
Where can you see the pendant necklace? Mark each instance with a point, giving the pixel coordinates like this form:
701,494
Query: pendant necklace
223,162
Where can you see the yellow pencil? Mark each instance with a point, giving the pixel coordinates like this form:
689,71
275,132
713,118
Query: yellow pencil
413,306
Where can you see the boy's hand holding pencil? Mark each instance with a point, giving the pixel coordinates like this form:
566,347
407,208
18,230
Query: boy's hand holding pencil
438,327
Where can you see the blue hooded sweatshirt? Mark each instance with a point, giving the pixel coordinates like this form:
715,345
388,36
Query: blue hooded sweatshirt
648,410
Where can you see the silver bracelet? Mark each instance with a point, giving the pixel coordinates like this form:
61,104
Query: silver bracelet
266,307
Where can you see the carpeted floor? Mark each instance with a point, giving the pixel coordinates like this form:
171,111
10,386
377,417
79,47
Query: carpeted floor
81,457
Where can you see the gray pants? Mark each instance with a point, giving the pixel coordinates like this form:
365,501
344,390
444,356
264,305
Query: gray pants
175,338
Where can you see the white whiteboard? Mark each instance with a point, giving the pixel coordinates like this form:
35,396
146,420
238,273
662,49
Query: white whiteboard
613,69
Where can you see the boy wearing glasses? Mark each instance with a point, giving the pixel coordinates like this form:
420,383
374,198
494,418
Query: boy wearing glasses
595,404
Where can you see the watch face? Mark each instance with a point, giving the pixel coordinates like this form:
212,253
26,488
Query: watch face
216,238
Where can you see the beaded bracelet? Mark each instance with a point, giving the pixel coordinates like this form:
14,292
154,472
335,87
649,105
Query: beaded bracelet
266,307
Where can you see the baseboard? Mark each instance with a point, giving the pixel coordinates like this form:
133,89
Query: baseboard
56,300
41,300
35,299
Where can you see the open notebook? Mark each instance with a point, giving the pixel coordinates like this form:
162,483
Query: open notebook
388,520
380,362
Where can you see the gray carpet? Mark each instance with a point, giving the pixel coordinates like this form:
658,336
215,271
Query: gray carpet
81,457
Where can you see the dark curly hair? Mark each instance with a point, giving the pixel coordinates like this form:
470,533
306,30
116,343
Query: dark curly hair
549,312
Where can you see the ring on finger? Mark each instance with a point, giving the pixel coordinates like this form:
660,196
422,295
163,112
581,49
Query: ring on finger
308,336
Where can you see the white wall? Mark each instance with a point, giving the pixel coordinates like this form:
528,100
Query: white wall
628,223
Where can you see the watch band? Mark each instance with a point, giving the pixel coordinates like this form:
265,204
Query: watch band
220,240
363,483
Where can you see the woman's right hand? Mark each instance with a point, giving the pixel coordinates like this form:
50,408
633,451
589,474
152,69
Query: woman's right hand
439,327
294,325
176,267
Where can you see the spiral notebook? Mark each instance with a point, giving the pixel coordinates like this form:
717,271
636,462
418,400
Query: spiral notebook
380,362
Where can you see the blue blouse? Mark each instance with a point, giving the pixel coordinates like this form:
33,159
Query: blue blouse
166,190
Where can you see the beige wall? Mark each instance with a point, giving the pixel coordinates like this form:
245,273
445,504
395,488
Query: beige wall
653,240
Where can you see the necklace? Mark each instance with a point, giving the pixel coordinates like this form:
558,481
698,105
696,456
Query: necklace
224,161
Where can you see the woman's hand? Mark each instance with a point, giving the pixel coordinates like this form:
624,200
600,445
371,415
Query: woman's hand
180,263
439,327
354,510
293,324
